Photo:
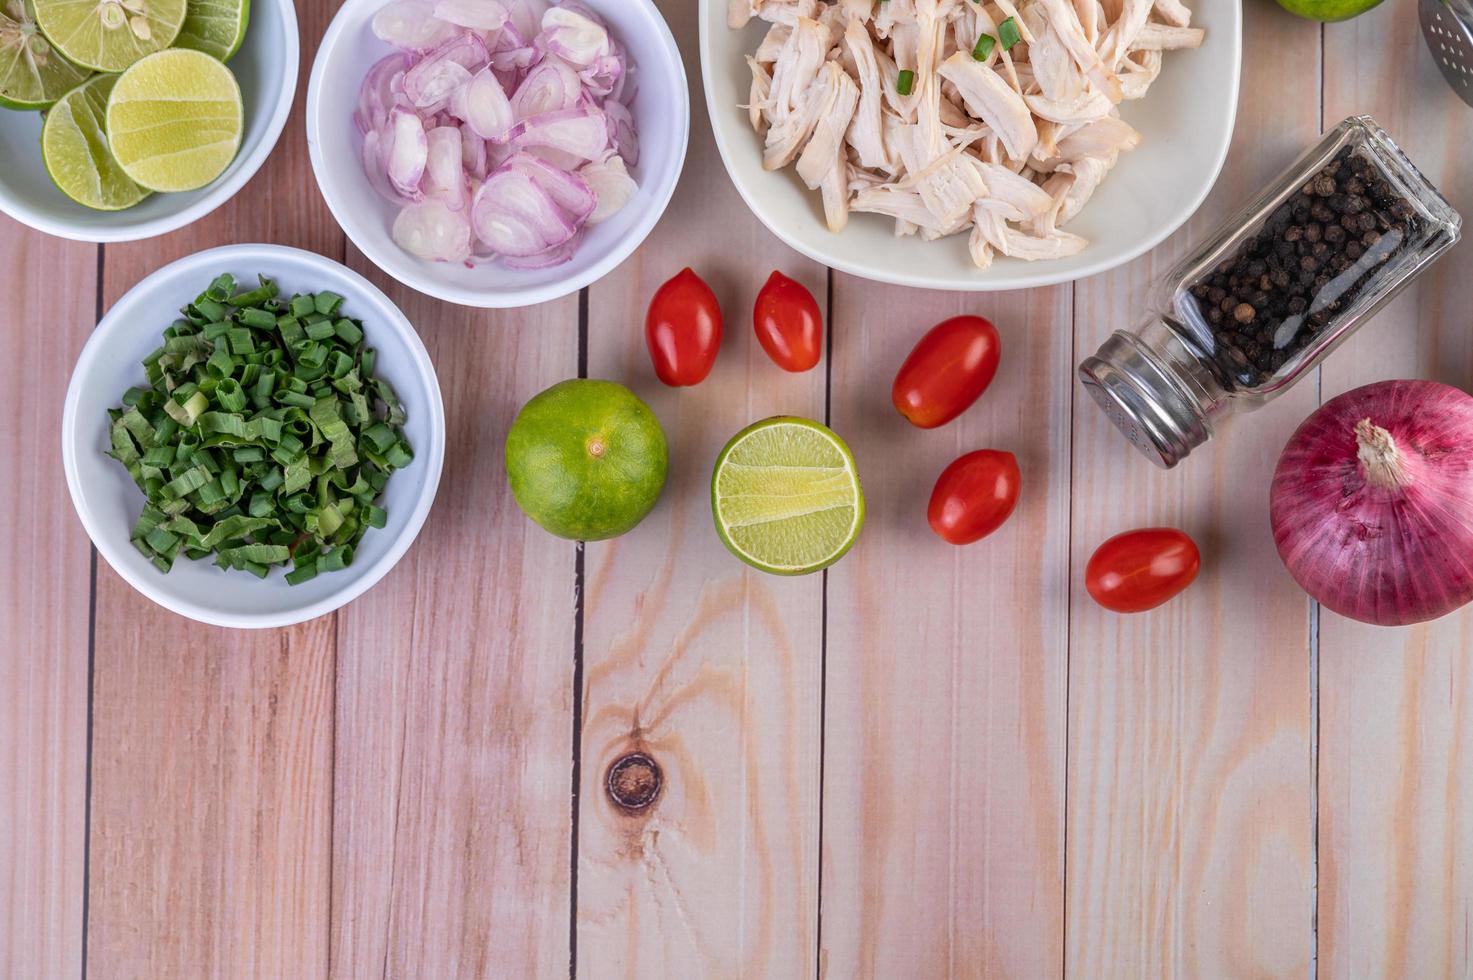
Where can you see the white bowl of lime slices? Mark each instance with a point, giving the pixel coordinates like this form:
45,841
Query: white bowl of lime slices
33,76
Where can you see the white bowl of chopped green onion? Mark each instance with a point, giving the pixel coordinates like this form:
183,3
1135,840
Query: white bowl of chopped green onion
253,436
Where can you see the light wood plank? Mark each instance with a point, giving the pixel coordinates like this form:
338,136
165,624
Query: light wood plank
212,766
44,611
944,735
1190,821
710,668
452,832
1396,706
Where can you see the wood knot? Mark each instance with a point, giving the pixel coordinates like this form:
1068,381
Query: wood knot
634,782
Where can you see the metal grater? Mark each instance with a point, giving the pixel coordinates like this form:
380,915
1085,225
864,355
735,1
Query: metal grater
1448,26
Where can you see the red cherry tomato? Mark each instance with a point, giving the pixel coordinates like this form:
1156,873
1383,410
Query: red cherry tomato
1139,570
974,496
789,324
683,329
949,368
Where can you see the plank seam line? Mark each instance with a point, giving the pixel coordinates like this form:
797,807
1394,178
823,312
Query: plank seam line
91,687
1068,639
579,570
1314,673
823,637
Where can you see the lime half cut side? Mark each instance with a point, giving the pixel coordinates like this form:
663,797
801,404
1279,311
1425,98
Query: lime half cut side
75,151
786,497
175,120
216,27
33,74
109,35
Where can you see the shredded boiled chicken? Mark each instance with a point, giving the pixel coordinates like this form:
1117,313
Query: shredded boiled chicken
1010,147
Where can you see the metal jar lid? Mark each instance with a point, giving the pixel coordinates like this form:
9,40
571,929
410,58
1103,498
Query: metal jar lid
1153,405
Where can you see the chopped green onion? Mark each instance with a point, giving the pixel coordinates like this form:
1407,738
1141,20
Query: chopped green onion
262,437
1008,34
984,47
905,82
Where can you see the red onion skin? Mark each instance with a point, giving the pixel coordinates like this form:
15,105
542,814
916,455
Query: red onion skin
1390,546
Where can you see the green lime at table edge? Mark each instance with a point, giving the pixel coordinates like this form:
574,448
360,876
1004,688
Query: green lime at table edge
1328,10
586,459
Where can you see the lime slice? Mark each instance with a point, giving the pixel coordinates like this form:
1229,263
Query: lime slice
109,35
175,120
33,74
786,496
74,149
216,27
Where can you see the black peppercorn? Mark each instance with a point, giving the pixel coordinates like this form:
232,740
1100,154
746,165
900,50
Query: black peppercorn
1370,238
1216,294
1298,304
1321,212
1293,233
1313,232
1324,185
1354,250
1308,263
1334,234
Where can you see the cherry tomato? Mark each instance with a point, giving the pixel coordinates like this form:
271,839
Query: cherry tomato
683,329
789,324
1139,570
951,366
974,496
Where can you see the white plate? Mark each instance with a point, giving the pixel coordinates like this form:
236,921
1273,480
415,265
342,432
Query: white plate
108,502
661,112
266,68
1186,120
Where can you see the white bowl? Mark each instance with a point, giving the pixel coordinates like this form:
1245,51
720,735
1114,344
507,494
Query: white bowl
1186,120
661,112
266,68
108,502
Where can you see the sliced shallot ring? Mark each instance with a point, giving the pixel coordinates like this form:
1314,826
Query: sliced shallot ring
430,230
445,167
622,137
408,151
574,35
549,87
466,50
611,185
473,154
411,24
434,90
583,133
478,15
377,93
483,106
515,217
526,16
568,191
548,259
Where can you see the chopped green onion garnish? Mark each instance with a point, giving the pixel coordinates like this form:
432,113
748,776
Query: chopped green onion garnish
984,47
1007,33
905,82
263,437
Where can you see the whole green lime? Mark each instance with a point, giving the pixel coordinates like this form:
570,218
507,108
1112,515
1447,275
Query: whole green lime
586,459
1327,10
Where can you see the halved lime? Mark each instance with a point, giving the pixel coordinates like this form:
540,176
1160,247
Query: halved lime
109,35
33,74
74,149
175,120
216,27
786,497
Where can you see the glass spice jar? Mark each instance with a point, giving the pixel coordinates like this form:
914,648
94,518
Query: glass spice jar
1275,290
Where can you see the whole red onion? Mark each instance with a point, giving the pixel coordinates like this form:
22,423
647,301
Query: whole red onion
1372,502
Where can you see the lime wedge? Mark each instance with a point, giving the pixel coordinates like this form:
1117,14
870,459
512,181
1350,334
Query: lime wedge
216,27
33,74
74,149
109,35
786,496
175,120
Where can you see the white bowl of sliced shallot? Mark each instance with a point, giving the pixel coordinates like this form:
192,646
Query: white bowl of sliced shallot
497,153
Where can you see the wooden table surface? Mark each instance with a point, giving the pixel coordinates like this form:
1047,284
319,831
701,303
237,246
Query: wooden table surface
927,762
